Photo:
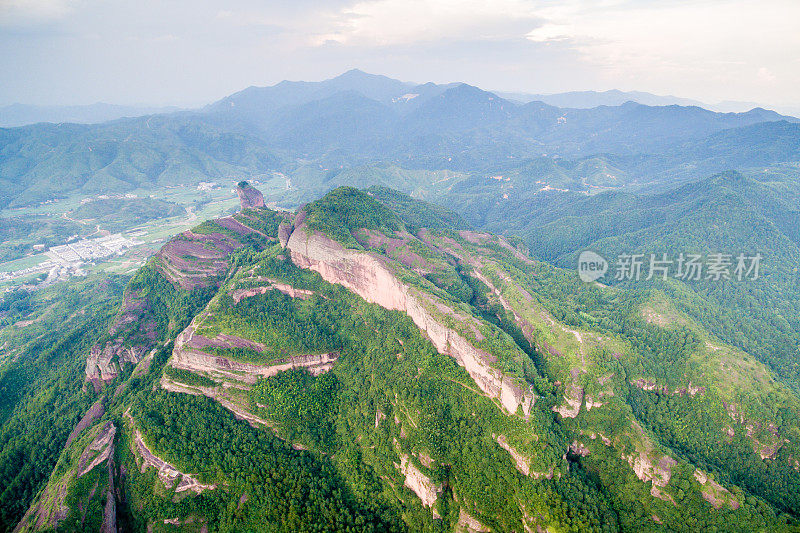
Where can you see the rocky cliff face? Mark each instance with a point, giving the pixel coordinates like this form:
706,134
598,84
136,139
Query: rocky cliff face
468,524
191,260
168,474
188,354
249,196
131,323
249,373
51,506
188,261
372,278
427,491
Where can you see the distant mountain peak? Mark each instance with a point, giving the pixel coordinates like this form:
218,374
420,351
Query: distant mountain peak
465,89
355,73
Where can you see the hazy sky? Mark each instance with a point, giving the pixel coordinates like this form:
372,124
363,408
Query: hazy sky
189,52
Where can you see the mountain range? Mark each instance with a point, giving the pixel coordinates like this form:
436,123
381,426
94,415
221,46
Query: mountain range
21,114
614,97
360,119
380,88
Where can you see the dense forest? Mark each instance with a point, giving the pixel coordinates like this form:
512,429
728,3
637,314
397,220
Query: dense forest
643,417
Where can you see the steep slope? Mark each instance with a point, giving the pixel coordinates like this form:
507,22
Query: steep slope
165,294
80,493
727,213
43,349
349,369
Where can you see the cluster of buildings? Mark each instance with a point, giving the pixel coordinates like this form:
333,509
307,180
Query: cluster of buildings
90,249
67,260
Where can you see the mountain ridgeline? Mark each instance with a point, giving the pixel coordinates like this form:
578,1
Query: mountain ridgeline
729,213
317,132
370,363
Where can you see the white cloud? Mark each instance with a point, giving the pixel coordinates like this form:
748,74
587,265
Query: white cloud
696,48
764,74
12,11
696,44
705,49
551,32
398,22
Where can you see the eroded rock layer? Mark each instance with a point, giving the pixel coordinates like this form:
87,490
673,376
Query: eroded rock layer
372,278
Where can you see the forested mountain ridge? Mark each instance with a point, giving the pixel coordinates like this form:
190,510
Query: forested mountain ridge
728,213
367,363
44,161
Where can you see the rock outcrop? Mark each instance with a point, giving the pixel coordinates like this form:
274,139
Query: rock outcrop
419,483
652,385
468,524
249,373
270,284
192,260
579,448
573,398
168,474
188,261
50,507
238,411
129,337
522,463
99,450
646,469
249,196
371,277
714,493
95,412
187,354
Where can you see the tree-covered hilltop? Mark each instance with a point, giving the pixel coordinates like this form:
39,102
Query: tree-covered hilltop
357,368
46,161
417,214
345,210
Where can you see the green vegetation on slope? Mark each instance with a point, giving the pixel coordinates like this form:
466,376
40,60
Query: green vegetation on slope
345,210
423,402
42,384
642,336
336,448
417,214
727,214
288,490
